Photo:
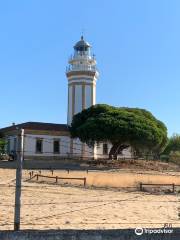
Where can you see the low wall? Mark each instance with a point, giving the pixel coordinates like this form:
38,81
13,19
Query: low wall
117,234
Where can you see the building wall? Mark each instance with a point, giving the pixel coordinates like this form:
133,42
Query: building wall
99,150
30,145
76,147
12,143
126,153
68,147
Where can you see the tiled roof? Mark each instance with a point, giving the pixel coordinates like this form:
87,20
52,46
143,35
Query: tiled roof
37,126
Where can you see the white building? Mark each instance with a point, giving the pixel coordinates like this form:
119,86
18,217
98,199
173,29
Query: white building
49,140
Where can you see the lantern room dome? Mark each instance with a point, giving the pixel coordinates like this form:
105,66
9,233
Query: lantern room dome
82,45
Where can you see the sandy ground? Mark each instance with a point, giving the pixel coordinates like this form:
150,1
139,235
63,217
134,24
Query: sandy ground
101,204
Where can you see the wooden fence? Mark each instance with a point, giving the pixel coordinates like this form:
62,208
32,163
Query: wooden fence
37,176
172,185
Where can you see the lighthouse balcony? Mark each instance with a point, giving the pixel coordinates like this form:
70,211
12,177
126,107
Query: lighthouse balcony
82,57
81,68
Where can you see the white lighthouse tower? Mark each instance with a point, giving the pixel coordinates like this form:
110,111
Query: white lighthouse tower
82,75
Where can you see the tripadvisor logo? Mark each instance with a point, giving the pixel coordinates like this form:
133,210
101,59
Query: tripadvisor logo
138,231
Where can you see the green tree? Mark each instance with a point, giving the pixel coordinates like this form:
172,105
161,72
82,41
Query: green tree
173,144
2,144
122,127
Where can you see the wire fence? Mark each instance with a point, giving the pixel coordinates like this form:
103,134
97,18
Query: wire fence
71,148
67,204
57,205
62,217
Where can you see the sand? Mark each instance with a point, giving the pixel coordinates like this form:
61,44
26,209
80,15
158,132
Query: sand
102,204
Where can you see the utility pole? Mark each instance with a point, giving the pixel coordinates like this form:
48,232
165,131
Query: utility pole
20,155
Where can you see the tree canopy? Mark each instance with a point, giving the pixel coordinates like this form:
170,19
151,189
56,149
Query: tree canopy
120,126
173,144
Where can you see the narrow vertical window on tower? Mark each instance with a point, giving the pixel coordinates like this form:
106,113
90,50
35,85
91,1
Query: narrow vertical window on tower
56,146
39,145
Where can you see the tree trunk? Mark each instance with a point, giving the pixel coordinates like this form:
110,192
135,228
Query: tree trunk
116,149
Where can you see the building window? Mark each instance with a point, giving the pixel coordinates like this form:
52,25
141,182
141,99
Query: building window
105,148
39,145
56,146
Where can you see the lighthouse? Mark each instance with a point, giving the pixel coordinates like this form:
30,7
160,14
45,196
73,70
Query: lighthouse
52,140
82,75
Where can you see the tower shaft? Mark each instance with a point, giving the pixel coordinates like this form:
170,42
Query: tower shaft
82,75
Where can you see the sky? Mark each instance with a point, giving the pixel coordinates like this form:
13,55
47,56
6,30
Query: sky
136,43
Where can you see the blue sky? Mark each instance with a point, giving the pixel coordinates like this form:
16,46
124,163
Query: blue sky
136,43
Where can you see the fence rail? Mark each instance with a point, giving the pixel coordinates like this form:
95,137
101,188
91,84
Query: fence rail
56,178
158,184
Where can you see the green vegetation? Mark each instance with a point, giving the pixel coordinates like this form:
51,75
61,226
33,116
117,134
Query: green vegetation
172,150
173,144
122,127
2,144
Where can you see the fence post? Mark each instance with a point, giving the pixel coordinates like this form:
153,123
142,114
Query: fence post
56,179
17,210
37,176
30,175
84,182
140,185
173,187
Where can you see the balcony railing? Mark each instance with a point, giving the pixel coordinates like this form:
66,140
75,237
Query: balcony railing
81,68
81,57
